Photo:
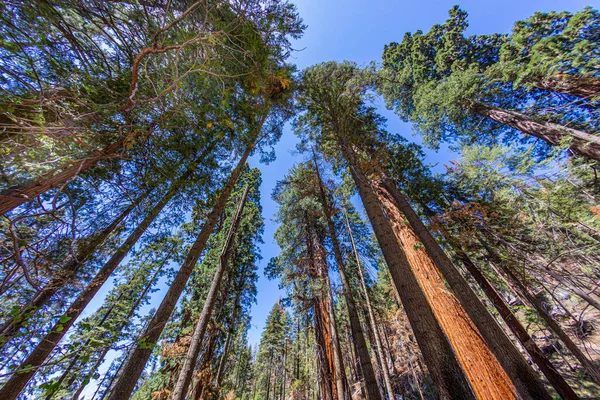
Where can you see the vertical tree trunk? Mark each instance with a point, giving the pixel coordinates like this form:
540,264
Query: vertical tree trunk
14,197
589,366
582,143
13,324
378,347
555,379
523,377
135,365
358,337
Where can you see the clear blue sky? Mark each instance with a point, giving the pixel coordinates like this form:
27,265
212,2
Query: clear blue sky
357,31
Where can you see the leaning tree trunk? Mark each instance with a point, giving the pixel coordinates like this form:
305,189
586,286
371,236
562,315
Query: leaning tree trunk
136,363
358,336
587,87
524,378
14,197
450,343
582,143
189,362
12,325
588,365
378,346
554,377
38,356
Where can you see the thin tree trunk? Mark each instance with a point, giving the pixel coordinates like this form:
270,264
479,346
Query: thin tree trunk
358,337
126,383
378,346
187,370
555,379
12,325
524,378
14,197
537,305
437,351
582,143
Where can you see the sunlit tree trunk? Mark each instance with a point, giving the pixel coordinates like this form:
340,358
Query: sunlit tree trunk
524,378
449,341
553,376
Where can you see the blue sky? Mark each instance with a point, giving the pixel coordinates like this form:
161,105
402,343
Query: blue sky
357,31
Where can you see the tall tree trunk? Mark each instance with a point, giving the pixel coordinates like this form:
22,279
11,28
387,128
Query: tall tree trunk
555,379
589,366
582,143
187,370
13,324
524,378
442,340
378,347
323,342
358,337
135,365
586,87
231,326
14,197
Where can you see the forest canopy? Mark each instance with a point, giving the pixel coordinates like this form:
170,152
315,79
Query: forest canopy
137,140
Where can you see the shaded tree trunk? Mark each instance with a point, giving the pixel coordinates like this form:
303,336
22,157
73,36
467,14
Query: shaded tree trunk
132,371
187,370
41,352
582,143
371,316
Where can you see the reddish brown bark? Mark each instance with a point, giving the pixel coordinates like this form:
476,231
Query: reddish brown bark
358,336
580,142
14,197
586,87
555,379
526,381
